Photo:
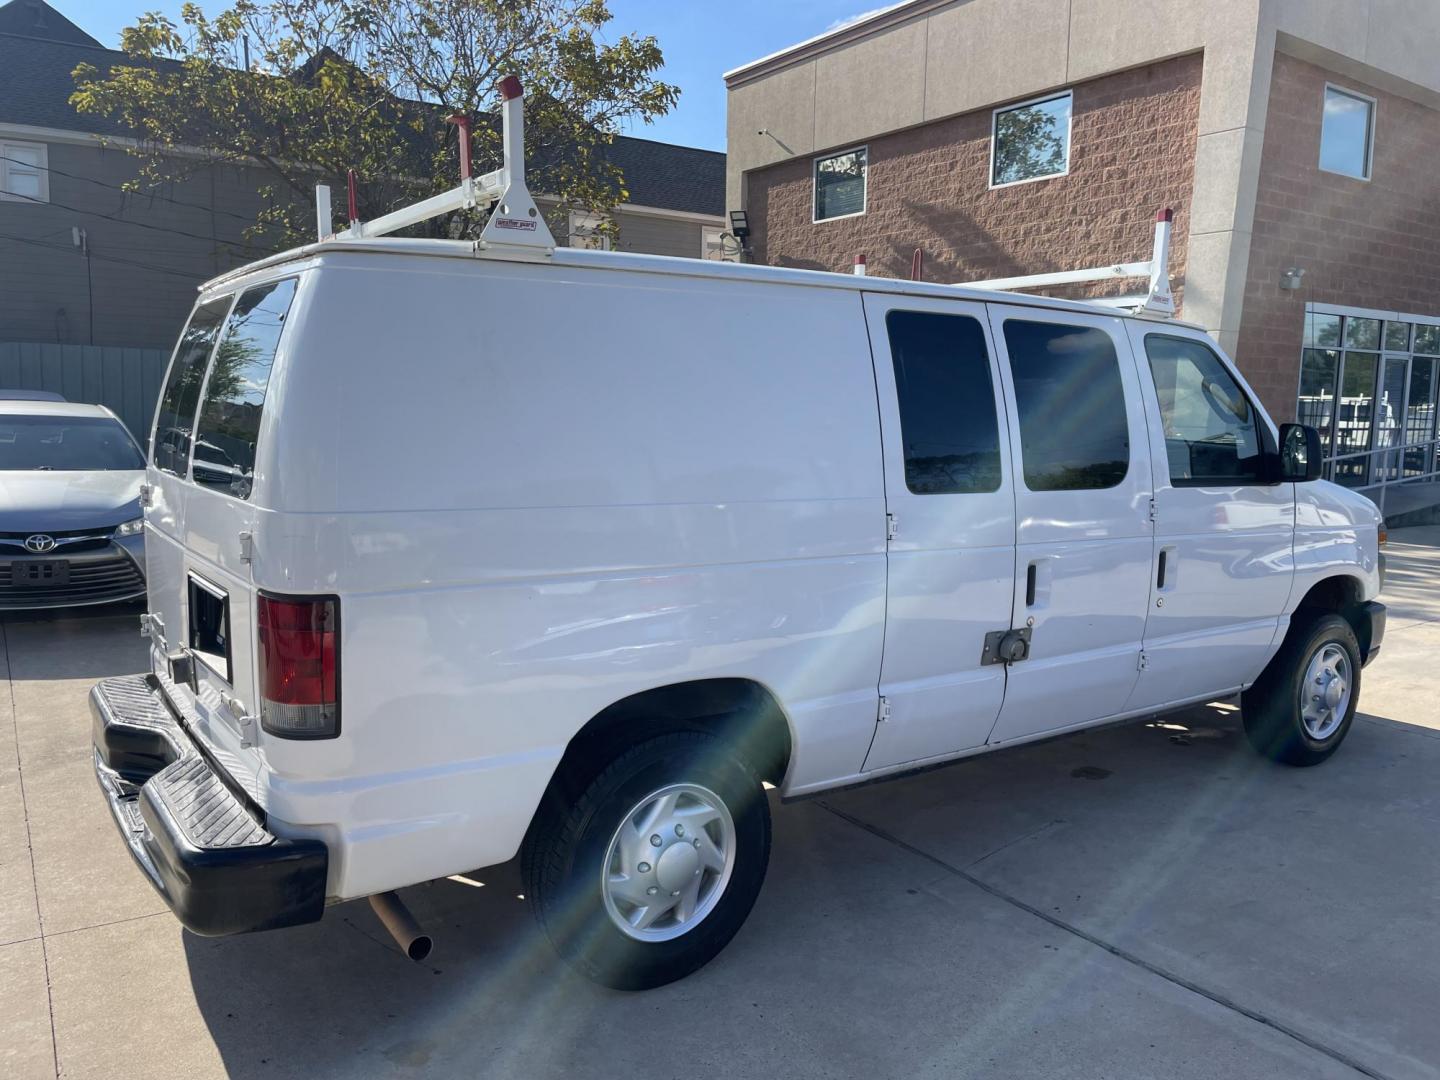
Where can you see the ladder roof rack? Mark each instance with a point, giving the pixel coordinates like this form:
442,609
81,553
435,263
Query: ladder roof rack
1158,300
516,225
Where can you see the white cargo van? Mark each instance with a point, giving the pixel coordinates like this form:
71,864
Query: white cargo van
458,552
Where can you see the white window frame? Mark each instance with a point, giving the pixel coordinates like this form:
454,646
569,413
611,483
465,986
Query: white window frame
580,221
815,183
1370,135
712,240
1069,137
5,194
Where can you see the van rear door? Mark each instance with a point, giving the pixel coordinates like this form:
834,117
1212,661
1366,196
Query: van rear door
220,516
205,586
170,440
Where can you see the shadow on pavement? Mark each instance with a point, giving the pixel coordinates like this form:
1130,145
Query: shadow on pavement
1303,896
75,643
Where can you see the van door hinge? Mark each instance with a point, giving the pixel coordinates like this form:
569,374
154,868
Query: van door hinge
884,713
247,547
244,720
1144,661
891,526
147,492
1153,512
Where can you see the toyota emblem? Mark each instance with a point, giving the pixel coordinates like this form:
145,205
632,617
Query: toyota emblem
40,543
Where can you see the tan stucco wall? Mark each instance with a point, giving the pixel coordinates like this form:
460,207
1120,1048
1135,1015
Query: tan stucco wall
938,58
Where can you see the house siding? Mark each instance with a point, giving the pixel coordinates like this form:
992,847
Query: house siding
149,253
659,235
1132,151
1368,244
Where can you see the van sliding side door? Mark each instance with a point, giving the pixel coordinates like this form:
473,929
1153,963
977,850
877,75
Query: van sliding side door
952,549
1082,500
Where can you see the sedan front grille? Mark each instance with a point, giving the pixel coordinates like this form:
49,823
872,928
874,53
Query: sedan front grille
94,579
67,541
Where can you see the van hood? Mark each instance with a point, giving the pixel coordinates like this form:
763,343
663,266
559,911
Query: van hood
45,501
1324,503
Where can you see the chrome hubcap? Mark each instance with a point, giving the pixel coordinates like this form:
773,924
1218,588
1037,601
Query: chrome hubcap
668,862
1325,693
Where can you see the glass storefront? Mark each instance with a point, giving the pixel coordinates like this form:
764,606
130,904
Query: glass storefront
1369,385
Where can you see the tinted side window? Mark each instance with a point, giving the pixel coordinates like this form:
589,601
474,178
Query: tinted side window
175,418
947,403
1073,431
235,392
1212,432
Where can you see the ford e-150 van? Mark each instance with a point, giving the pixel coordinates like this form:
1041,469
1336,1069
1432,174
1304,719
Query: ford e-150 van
455,555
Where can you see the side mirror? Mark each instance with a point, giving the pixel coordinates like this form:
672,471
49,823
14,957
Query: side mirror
1299,453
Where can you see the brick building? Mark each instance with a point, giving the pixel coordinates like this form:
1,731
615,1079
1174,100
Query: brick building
1295,139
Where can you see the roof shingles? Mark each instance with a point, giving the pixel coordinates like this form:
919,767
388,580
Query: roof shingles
36,84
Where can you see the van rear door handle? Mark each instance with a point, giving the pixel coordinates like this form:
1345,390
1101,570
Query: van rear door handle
1165,570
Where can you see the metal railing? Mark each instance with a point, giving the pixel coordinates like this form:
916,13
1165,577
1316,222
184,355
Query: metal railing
1386,467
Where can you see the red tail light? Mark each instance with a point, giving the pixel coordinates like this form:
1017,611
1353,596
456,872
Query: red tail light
299,665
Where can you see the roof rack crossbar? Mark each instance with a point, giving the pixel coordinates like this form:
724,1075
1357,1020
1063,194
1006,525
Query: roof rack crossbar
516,223
1158,298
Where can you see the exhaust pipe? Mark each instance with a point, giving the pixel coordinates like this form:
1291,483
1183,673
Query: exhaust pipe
396,917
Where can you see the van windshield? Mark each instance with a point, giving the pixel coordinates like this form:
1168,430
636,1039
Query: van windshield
66,444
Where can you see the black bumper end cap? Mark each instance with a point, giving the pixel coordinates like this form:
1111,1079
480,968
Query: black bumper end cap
1374,614
206,851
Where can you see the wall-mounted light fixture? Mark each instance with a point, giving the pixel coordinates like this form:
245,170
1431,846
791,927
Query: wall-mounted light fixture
740,225
1292,278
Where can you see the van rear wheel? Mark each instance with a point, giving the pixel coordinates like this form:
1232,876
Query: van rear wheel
647,873
1301,708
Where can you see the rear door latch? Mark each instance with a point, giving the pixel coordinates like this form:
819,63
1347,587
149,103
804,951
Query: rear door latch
1006,646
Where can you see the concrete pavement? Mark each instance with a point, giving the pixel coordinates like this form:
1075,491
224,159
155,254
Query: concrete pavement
1147,901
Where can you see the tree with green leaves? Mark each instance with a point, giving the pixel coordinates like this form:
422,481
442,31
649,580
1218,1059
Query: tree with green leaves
332,85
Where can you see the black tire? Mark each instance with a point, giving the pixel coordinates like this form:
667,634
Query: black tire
1272,708
568,846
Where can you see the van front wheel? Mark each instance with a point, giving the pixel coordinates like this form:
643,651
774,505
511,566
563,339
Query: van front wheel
651,870
1302,706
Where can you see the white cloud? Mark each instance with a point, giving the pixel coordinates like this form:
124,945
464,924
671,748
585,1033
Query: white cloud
851,20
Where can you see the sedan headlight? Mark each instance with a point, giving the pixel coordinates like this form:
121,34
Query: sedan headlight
130,528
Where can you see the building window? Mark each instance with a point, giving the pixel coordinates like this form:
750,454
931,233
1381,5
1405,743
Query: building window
586,231
840,184
1347,133
1031,141
1370,388
712,243
24,172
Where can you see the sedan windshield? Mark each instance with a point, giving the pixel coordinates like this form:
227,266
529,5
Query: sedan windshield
66,444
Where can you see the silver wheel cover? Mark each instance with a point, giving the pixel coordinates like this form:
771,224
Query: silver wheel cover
1325,691
668,862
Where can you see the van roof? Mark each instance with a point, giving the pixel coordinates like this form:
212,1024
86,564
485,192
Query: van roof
667,264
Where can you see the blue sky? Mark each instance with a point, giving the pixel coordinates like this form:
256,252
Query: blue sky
700,39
